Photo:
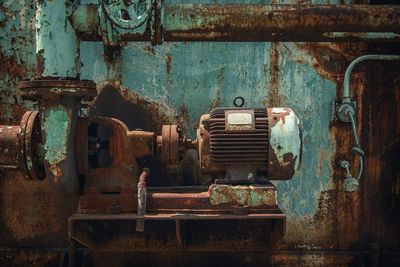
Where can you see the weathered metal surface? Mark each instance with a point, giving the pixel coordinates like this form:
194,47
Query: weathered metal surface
9,148
177,82
122,148
213,22
58,123
37,88
243,196
57,46
21,147
30,141
200,233
270,141
244,144
127,14
285,143
309,92
17,59
218,199
170,144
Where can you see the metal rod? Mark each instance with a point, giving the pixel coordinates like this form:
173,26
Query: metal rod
346,91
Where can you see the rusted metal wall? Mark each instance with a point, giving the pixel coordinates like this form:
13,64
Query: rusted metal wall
148,86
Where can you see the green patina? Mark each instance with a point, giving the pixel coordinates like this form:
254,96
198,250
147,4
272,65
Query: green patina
55,128
240,195
256,198
55,34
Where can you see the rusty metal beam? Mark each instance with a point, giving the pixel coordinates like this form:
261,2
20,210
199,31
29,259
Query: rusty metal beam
207,232
250,23
264,22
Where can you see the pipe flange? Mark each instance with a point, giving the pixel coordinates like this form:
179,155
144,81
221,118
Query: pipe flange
170,144
30,146
39,88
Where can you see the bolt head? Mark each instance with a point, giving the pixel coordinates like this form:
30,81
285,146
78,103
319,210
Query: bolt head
343,112
350,184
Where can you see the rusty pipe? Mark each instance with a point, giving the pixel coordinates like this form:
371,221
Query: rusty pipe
10,147
235,22
142,195
21,147
247,22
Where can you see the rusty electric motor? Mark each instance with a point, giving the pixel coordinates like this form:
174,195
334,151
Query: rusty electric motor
249,145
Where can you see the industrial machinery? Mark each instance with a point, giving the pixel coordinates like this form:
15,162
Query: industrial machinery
242,148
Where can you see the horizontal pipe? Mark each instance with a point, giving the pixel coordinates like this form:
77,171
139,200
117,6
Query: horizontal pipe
9,146
250,23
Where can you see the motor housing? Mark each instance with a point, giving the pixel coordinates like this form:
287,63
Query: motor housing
250,144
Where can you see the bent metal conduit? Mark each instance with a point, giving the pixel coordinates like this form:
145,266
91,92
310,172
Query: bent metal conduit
346,91
346,113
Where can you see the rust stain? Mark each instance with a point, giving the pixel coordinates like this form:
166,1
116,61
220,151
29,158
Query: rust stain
168,61
149,49
153,114
274,99
40,63
246,196
322,156
10,67
379,125
330,60
302,22
36,211
111,55
17,110
217,102
185,117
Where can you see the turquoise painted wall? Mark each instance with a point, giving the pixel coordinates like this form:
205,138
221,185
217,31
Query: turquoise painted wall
186,80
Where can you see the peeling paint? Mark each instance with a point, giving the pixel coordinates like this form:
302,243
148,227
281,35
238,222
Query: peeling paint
246,196
56,126
285,137
56,44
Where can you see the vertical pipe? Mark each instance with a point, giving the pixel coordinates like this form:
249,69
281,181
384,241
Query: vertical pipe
57,55
57,46
58,122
